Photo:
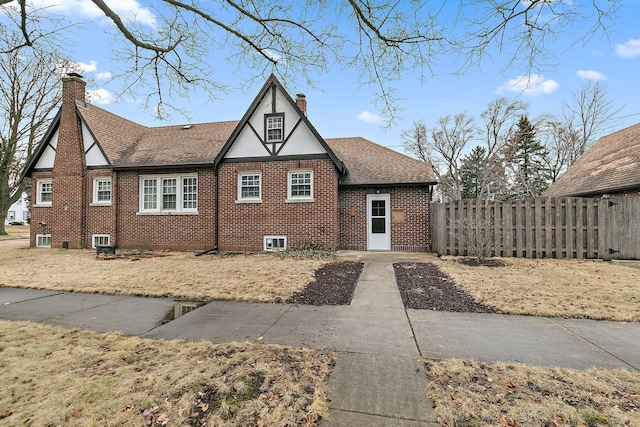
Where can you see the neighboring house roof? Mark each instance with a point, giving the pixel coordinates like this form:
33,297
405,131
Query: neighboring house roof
370,164
611,165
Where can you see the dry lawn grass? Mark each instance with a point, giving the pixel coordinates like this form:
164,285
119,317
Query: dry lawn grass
468,393
255,277
553,287
15,232
56,376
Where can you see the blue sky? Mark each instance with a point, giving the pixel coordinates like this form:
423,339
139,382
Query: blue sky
341,107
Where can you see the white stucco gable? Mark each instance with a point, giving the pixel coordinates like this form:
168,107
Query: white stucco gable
290,134
48,156
93,154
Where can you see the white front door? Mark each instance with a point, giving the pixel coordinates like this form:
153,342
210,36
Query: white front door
378,227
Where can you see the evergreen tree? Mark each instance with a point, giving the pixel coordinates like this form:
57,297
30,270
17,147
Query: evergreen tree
525,160
471,172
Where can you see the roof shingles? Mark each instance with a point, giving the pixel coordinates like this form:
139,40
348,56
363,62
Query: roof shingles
130,145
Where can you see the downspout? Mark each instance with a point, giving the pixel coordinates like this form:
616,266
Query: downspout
217,205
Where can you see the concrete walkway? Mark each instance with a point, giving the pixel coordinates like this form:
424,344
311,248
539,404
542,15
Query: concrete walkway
377,380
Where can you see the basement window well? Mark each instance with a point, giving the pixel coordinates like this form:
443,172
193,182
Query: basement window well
275,243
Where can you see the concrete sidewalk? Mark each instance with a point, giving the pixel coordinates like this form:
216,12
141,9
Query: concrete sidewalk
377,380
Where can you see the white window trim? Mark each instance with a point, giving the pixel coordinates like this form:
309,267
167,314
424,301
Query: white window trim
11,216
297,199
241,199
274,237
94,236
179,210
39,201
266,128
95,192
39,236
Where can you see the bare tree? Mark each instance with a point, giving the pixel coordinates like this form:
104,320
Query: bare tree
586,116
29,93
442,148
499,120
381,39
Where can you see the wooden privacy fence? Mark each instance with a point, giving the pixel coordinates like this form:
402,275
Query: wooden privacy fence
564,227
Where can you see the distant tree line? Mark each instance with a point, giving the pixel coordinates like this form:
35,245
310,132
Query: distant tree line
509,156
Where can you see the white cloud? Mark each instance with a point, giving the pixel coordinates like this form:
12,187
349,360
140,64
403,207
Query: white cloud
87,68
101,97
129,10
534,84
628,49
104,76
368,117
591,75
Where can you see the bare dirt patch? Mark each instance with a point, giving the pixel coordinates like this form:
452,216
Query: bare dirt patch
553,287
57,376
243,277
468,393
333,284
424,287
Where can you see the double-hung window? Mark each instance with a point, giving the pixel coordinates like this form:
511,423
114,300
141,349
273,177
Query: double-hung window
44,192
274,127
249,187
300,186
168,193
102,191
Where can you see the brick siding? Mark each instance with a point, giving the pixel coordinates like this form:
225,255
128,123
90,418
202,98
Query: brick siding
244,225
409,231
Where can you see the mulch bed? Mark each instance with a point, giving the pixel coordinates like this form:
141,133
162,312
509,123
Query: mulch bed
424,287
334,284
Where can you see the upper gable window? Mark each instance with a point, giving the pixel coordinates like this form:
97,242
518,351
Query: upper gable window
169,193
102,191
274,127
45,192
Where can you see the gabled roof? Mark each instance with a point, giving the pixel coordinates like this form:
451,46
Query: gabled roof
370,164
130,145
273,81
612,164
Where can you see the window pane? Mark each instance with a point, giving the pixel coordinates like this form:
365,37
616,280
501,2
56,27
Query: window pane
150,193
169,196
103,191
378,225
377,208
300,184
190,193
250,186
274,128
46,192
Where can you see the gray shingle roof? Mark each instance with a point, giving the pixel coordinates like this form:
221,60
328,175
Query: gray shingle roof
370,163
129,145
612,164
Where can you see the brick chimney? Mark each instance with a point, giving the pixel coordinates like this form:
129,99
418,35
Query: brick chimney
68,201
301,102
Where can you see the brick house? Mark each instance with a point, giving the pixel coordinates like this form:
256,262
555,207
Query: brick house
611,167
266,182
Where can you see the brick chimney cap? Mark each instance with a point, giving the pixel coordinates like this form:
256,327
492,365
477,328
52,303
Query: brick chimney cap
74,75
300,95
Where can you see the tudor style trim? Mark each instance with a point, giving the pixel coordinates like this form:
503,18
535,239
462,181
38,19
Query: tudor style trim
273,84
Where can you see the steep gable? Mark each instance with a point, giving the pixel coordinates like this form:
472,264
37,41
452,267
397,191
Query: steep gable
611,165
275,128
